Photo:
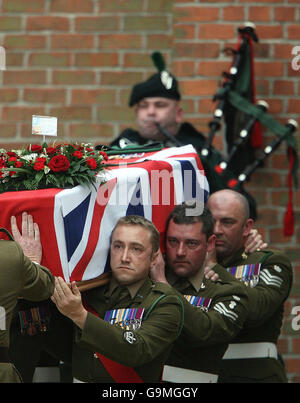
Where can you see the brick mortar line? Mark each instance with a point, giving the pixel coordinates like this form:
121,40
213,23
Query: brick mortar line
237,2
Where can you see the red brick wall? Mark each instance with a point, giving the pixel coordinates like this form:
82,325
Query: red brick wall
201,31
77,60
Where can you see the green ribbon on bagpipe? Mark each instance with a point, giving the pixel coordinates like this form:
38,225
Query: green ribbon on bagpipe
132,148
267,120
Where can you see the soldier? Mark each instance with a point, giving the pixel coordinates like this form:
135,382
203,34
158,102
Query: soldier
19,277
36,326
214,311
252,357
157,100
124,330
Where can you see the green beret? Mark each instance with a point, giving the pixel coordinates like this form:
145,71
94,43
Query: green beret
162,84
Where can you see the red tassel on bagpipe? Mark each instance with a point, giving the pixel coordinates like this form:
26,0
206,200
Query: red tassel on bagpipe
289,218
256,133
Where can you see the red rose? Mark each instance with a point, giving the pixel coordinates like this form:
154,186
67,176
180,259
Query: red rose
18,164
104,155
41,159
77,154
50,150
92,163
11,173
39,164
2,163
34,148
59,163
11,154
12,159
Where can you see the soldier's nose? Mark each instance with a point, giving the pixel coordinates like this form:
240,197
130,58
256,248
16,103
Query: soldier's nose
151,110
125,255
181,250
217,228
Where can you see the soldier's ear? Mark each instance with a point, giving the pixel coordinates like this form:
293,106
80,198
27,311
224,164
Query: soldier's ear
211,243
248,226
154,257
179,114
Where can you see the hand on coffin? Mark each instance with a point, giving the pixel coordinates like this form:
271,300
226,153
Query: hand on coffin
210,262
68,301
157,269
254,242
29,240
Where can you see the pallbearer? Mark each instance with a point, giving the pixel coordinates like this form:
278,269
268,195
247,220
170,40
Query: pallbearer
267,274
214,312
124,330
20,277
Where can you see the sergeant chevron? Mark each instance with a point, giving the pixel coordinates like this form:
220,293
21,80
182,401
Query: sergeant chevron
270,279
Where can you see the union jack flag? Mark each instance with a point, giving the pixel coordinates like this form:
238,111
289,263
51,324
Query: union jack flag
75,224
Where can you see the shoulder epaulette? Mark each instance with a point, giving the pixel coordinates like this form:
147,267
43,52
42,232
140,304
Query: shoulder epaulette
162,288
266,254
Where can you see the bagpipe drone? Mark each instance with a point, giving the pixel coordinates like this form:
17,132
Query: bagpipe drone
243,117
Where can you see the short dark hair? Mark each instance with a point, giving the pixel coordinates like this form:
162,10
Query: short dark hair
180,216
142,222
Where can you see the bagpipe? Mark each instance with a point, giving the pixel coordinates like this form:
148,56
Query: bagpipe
236,98
243,135
243,117
247,35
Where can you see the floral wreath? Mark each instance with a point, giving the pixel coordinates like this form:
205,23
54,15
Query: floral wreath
43,166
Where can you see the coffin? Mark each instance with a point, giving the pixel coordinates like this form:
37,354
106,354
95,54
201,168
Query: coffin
75,224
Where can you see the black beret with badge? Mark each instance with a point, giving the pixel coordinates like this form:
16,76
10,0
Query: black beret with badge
162,84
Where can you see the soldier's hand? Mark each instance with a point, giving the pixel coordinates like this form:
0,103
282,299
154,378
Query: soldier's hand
210,262
254,242
68,301
210,274
157,270
211,258
28,238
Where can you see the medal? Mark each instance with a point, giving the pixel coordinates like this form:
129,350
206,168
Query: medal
200,302
34,320
126,318
248,273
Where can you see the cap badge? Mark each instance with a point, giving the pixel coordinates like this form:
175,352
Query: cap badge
166,79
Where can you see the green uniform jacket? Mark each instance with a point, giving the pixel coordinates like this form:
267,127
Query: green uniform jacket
147,348
205,335
19,277
266,307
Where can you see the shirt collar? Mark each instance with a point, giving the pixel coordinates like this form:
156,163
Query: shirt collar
195,280
235,257
132,288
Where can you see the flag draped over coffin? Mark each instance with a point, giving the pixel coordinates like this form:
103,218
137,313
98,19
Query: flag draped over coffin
76,224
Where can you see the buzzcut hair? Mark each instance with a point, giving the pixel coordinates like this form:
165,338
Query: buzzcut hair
244,203
239,197
144,223
179,216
